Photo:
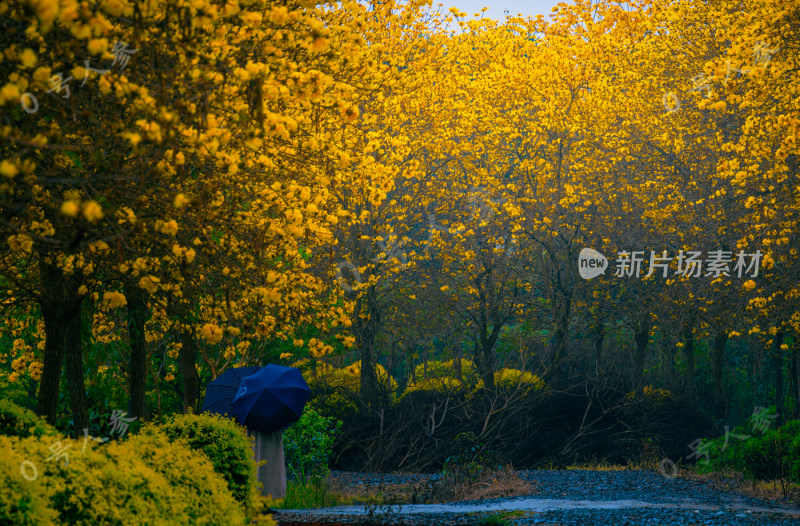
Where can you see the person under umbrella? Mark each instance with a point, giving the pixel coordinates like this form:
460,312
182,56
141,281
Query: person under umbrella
264,400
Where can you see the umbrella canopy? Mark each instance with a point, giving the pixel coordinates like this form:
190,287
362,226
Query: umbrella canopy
271,398
221,392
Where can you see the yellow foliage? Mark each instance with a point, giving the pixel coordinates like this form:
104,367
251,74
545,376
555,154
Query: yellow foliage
114,300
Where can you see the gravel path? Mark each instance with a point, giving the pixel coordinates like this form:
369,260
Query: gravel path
575,497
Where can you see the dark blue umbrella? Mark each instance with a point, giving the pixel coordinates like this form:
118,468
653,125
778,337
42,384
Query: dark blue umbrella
221,392
271,399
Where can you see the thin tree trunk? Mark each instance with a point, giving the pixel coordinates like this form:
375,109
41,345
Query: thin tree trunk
717,363
188,357
641,337
599,336
366,332
688,353
670,358
795,375
487,366
137,376
75,376
457,366
561,332
777,364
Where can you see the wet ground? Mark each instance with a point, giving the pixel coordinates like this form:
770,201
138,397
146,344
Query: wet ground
575,497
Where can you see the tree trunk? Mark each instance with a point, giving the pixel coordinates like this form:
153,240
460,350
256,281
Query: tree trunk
188,357
137,376
457,366
487,366
795,375
47,404
561,331
599,336
669,349
366,332
717,362
688,354
75,376
60,303
777,365
641,337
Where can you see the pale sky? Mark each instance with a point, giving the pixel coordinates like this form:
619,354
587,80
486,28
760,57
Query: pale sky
496,7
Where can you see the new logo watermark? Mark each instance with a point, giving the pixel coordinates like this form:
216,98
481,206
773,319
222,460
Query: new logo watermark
591,263
690,263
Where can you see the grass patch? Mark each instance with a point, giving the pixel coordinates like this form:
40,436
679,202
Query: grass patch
310,494
492,520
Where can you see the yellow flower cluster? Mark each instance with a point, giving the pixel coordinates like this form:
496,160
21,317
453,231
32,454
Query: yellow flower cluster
317,349
114,300
211,333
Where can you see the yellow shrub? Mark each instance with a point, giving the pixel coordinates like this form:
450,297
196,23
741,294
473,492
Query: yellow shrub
192,477
349,378
144,480
23,502
18,421
337,391
439,385
653,394
107,485
510,378
226,445
446,369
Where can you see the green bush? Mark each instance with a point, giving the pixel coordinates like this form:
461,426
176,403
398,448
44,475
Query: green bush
20,422
793,453
192,478
775,454
308,445
225,443
768,457
471,460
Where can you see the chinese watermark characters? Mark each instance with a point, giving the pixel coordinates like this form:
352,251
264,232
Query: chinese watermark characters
759,421
59,84
119,424
592,263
